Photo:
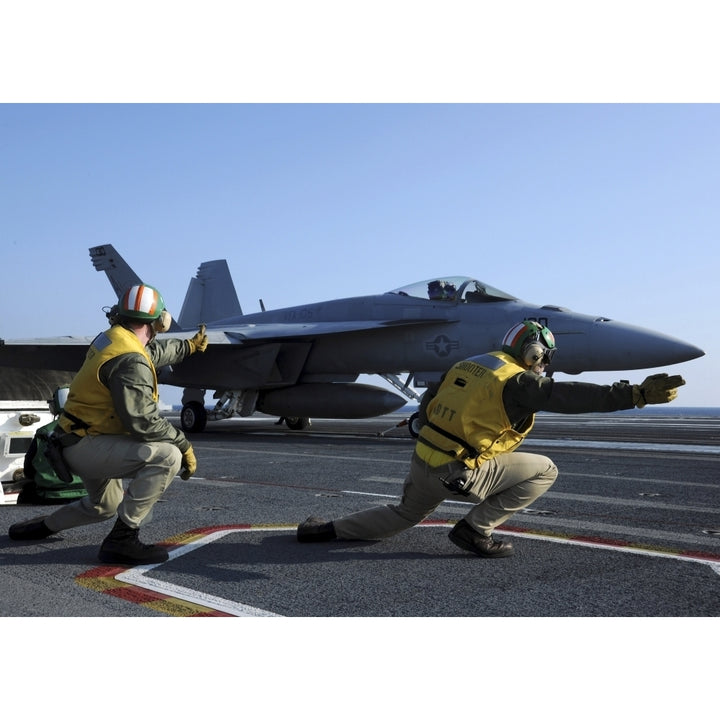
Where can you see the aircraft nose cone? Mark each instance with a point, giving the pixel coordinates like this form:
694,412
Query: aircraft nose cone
618,346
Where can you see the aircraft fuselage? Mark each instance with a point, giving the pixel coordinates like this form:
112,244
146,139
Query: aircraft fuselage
425,337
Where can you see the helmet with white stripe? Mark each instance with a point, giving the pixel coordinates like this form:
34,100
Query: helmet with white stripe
141,302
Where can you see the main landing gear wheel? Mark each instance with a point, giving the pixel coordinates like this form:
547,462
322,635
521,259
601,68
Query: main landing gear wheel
193,417
298,423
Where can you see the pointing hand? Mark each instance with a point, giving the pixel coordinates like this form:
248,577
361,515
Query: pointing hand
656,389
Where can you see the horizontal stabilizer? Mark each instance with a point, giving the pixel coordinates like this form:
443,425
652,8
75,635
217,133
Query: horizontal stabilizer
108,260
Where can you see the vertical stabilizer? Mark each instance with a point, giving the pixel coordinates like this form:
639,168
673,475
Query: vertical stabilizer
210,296
107,259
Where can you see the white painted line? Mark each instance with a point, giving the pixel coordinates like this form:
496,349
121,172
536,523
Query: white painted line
604,444
137,576
578,526
714,564
629,502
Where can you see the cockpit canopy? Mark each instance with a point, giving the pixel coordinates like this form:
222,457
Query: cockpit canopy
454,289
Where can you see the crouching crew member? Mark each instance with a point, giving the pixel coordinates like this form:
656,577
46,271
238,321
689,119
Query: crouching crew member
112,429
482,411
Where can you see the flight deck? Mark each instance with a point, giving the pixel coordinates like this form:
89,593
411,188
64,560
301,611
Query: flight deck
630,528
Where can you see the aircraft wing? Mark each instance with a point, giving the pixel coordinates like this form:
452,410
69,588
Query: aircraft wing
237,356
29,384
51,353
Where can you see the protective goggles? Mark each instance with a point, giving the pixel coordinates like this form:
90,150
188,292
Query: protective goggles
536,353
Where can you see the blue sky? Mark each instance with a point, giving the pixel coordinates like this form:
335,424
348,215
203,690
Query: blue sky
608,209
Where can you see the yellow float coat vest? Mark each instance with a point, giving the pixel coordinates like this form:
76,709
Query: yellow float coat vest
88,399
467,419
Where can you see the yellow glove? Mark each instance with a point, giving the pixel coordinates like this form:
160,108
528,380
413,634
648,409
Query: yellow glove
198,342
656,389
189,464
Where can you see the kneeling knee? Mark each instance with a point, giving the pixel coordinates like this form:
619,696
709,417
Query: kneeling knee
174,457
165,455
550,475
106,513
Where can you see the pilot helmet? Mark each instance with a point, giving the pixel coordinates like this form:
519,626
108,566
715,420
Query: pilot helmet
435,289
529,342
144,303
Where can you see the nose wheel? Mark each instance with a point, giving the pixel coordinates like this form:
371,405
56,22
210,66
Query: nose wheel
414,424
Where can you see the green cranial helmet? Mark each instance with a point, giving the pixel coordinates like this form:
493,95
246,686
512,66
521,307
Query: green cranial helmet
141,302
520,337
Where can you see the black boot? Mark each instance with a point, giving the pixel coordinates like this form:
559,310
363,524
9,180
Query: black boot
34,529
122,546
467,538
315,530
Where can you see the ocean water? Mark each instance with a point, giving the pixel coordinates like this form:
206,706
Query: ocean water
671,410
668,410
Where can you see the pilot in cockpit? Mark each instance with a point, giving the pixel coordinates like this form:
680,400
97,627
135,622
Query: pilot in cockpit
441,290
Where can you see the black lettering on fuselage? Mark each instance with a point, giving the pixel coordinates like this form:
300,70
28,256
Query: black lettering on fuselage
541,320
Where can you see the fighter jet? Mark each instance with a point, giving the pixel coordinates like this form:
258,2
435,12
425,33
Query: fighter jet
303,362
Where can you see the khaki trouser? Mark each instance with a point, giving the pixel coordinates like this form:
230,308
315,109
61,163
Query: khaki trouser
102,461
499,487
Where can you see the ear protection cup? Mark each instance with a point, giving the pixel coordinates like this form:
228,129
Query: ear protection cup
533,353
162,323
529,342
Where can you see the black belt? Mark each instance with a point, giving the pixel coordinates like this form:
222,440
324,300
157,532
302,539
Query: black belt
77,423
66,439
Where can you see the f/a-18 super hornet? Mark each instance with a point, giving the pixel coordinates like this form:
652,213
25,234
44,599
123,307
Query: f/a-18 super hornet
302,362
